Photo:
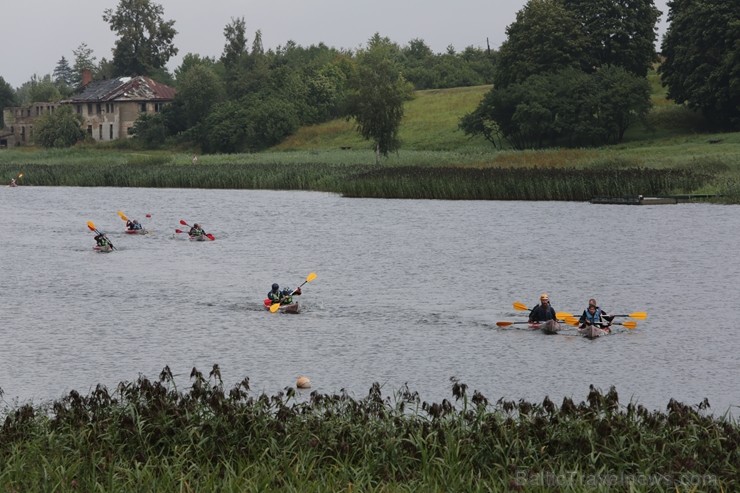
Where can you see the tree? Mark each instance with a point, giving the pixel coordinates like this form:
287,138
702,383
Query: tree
199,90
63,74
702,58
619,32
144,42
545,37
60,128
84,60
7,98
377,94
44,90
150,130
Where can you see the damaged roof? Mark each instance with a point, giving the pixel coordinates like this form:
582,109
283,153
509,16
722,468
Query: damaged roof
139,88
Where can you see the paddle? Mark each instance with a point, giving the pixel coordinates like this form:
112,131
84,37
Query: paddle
629,324
122,216
276,306
637,315
91,226
208,235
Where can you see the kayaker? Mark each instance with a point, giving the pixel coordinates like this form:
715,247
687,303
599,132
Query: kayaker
196,230
284,297
542,312
13,183
101,240
594,315
135,224
274,294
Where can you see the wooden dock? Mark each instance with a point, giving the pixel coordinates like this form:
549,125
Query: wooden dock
660,200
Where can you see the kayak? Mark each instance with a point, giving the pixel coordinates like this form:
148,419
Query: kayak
592,332
549,327
141,231
291,308
103,249
199,238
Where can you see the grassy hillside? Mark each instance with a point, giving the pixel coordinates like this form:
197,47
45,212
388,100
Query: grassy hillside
429,124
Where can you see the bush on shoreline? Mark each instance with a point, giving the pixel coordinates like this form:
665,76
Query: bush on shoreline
148,436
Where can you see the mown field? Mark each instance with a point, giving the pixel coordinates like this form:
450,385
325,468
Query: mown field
672,154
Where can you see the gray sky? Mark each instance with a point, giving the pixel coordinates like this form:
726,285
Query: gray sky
37,33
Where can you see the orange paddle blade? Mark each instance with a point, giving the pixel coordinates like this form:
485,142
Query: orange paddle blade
91,225
629,324
518,305
504,324
562,315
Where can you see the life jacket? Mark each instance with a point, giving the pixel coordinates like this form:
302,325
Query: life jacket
592,318
196,232
274,296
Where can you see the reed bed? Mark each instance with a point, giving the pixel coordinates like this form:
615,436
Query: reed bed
148,436
411,182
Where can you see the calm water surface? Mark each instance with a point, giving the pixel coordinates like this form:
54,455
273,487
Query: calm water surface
407,292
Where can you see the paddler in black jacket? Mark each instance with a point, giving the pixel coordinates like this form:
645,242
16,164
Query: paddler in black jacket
542,312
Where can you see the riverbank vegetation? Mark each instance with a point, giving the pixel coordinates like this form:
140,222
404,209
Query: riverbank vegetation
148,436
671,154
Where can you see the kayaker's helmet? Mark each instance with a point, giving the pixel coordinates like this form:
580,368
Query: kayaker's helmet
286,292
275,287
544,297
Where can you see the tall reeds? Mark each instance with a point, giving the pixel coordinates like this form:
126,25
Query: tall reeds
148,436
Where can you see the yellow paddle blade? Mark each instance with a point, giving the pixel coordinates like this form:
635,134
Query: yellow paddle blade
571,321
504,324
274,307
20,176
122,215
563,315
629,324
518,305
311,277
91,225
638,315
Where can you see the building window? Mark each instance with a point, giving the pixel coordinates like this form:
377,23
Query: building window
89,130
100,132
79,109
99,108
111,131
89,108
158,107
142,107
23,134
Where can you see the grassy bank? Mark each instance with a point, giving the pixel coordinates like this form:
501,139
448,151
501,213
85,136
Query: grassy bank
668,156
148,436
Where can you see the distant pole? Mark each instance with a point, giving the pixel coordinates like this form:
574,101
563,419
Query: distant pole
489,46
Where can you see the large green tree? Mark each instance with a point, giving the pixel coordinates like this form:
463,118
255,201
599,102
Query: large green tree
59,129
702,58
545,37
144,43
619,32
378,91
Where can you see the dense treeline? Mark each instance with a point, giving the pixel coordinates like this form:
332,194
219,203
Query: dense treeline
570,73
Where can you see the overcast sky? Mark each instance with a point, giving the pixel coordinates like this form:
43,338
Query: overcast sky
37,33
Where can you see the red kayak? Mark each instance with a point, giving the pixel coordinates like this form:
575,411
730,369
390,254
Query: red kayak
208,237
141,231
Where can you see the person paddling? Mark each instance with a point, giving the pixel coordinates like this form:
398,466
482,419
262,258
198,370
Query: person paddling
196,230
133,225
542,312
102,240
284,297
594,315
13,183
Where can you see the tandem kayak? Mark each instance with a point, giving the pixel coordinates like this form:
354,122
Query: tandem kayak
290,308
103,249
549,327
592,331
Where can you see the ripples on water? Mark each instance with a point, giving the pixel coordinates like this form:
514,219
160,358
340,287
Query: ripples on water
407,291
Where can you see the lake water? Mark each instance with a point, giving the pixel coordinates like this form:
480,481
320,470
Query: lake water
407,291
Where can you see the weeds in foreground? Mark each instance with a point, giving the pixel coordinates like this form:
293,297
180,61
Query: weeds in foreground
148,436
